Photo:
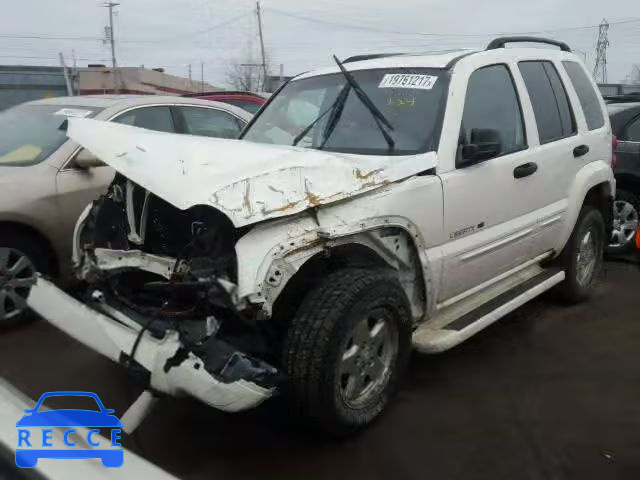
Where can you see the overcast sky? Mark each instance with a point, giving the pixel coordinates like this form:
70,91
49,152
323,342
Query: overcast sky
301,35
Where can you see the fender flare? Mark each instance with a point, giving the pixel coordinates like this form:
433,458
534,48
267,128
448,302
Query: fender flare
590,176
284,259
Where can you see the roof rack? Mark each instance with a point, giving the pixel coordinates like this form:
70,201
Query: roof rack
370,56
501,41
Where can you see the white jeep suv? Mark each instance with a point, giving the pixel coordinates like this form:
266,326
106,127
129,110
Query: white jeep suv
386,203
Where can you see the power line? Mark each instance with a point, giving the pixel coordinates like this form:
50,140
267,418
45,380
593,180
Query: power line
429,34
37,36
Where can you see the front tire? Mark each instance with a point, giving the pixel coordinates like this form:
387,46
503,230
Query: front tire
346,349
582,257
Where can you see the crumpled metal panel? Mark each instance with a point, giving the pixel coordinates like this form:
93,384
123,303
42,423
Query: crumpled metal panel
249,182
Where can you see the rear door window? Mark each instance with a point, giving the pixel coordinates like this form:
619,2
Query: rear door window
209,122
551,107
152,118
586,94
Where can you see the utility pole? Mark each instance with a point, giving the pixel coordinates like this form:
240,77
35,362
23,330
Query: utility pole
264,59
190,78
65,72
111,38
600,68
201,77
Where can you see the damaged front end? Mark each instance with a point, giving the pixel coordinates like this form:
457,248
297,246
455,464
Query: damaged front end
162,299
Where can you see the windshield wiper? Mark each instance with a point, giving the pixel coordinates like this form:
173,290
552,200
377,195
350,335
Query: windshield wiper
336,113
338,103
378,116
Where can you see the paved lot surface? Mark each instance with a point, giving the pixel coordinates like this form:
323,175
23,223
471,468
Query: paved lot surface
552,392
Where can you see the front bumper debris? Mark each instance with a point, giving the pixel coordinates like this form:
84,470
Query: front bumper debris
171,368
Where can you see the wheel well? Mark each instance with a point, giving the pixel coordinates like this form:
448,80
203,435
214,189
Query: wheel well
314,270
390,248
600,197
42,241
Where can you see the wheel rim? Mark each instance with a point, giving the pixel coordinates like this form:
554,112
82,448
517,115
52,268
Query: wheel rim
625,223
367,357
587,258
17,275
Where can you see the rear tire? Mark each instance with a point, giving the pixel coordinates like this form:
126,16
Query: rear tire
20,257
582,257
347,348
626,213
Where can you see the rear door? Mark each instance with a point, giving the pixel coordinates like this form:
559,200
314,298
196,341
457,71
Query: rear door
557,149
628,151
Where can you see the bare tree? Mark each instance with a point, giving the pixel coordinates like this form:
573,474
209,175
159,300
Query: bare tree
246,74
241,76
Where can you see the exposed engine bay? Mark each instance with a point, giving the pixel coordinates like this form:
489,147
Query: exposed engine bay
173,271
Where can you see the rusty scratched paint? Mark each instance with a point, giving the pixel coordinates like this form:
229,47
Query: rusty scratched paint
364,176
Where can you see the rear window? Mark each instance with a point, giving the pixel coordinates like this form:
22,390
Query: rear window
549,99
587,95
246,105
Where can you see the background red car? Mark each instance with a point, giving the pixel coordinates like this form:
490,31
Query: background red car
248,101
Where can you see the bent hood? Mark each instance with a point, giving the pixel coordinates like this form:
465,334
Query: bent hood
249,182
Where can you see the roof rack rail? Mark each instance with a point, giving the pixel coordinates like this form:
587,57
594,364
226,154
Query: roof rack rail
501,41
370,56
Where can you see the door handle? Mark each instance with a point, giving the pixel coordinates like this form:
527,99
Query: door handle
525,170
580,150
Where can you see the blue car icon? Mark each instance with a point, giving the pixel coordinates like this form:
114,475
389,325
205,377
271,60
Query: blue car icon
104,418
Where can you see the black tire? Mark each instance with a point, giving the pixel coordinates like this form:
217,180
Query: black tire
634,200
572,289
32,249
314,343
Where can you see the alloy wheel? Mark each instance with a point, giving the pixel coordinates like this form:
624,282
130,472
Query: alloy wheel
367,357
625,223
17,275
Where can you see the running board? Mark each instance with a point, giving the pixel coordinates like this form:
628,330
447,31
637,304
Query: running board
429,338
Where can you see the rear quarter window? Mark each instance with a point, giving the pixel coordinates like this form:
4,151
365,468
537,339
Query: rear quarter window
586,94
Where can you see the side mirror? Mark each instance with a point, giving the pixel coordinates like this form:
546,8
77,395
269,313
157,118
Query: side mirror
485,143
85,159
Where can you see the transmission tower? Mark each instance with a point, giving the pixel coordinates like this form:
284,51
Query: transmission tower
600,68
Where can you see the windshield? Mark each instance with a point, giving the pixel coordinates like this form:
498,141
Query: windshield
410,99
30,133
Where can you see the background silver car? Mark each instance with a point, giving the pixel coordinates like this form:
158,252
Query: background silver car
46,179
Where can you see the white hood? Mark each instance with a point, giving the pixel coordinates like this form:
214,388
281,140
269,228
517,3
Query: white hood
249,182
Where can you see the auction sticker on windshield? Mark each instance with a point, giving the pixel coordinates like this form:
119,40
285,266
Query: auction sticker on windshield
67,434
74,112
408,80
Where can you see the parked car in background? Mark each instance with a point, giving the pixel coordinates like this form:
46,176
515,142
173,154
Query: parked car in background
614,89
625,123
46,179
251,102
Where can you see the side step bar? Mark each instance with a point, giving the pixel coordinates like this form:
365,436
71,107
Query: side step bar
430,339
